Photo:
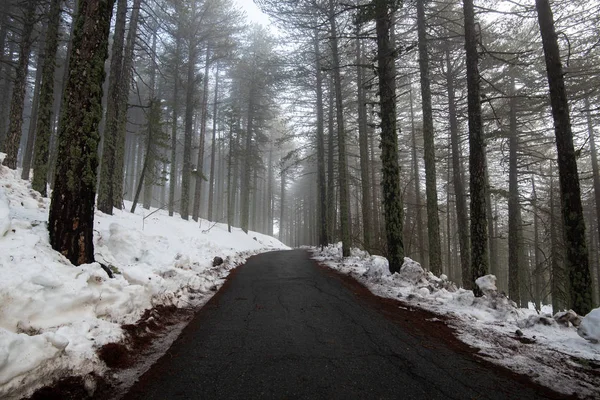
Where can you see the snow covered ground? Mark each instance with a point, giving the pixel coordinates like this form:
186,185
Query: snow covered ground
551,353
54,316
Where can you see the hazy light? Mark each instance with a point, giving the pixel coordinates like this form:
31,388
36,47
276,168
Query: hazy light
253,12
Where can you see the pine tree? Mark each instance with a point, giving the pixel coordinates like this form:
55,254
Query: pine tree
71,219
577,261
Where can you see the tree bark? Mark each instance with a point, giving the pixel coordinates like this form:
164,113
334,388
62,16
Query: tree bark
113,110
45,112
35,105
321,184
331,204
417,182
211,187
174,125
392,201
577,261
17,104
71,218
200,160
479,237
124,88
433,219
462,216
514,211
341,136
363,139
187,140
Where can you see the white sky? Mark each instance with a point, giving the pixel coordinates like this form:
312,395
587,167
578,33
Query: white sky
253,12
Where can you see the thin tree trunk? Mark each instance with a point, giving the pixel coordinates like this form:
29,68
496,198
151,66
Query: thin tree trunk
479,234
342,163
125,85
154,107
282,207
35,104
187,141
113,109
514,211
433,219
462,217
200,160
45,113
15,128
537,270
417,181
363,139
331,204
321,184
174,117
213,153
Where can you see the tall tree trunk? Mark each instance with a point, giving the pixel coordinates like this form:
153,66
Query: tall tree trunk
35,104
45,112
71,218
153,122
433,219
125,86
230,183
572,211
321,184
213,152
479,238
341,133
331,204
153,126
462,217
282,207
113,105
200,160
270,193
559,288
174,117
53,147
538,271
17,104
392,201
187,140
595,168
514,211
363,139
417,182
247,169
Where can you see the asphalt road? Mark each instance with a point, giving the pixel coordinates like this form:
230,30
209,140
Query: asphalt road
284,328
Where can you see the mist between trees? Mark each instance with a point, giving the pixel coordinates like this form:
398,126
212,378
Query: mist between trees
460,134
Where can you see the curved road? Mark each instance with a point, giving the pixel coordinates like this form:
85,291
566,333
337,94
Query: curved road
284,328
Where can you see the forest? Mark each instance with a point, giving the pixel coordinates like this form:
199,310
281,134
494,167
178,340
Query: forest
459,134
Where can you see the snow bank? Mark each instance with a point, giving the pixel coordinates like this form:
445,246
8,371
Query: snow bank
54,316
590,326
545,347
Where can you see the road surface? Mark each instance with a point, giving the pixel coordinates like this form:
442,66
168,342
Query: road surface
284,328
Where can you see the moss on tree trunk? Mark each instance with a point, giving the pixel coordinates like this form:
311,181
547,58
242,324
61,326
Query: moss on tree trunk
71,219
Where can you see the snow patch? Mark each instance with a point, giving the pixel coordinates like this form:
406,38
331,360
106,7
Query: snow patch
548,349
54,316
590,326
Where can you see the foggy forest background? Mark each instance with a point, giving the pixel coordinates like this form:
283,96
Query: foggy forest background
279,130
